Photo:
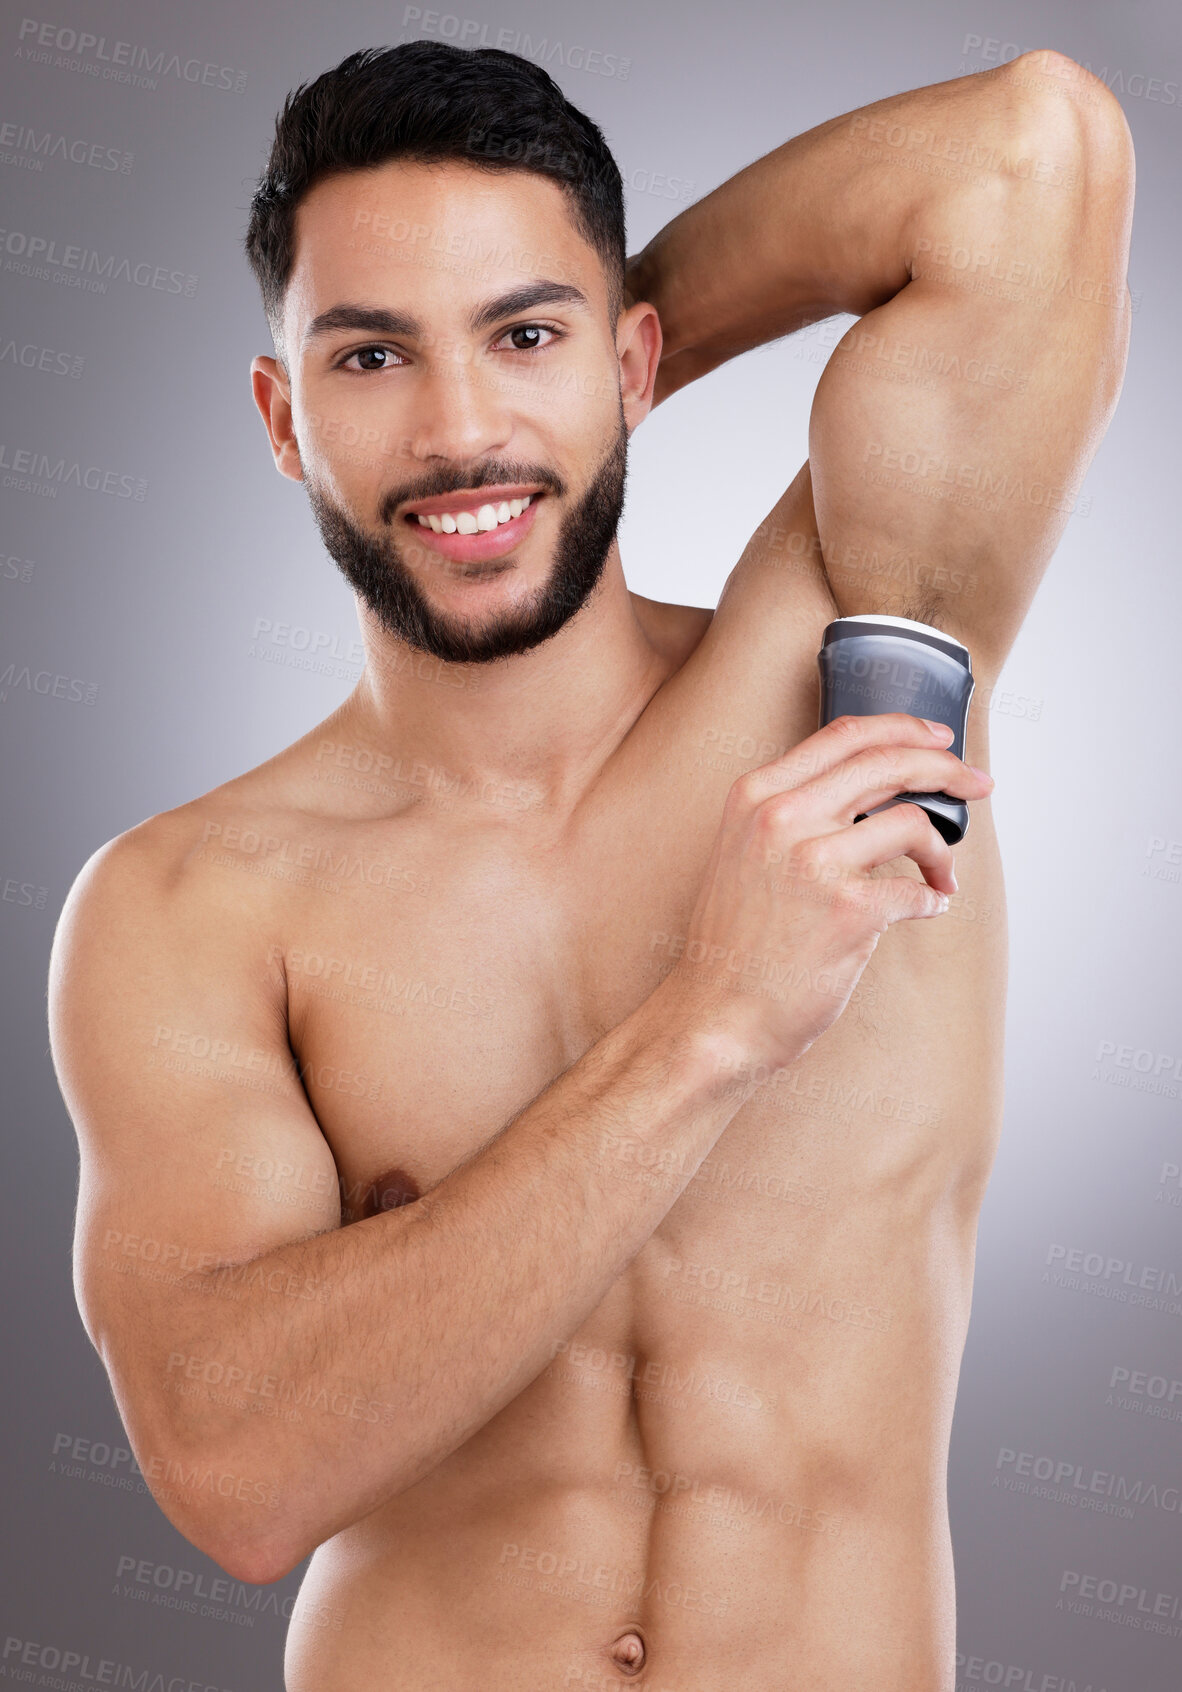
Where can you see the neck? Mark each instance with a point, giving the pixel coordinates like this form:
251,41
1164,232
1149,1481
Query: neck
543,720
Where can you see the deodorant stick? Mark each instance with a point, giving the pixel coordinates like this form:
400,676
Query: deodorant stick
872,663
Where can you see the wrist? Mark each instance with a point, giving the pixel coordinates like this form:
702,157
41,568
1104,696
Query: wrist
705,1045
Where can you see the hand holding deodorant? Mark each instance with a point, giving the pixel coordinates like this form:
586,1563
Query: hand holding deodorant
870,664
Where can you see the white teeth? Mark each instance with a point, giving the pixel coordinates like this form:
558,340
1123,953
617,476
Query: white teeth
474,522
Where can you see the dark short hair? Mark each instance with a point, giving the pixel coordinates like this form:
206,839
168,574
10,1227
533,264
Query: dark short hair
429,101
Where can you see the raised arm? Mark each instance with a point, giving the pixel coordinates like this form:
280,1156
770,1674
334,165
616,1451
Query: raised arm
979,228
211,1268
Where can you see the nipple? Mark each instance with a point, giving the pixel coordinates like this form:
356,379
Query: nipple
389,1191
628,1653
392,1190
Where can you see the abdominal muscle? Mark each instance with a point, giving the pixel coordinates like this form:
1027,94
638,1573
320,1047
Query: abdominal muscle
733,1476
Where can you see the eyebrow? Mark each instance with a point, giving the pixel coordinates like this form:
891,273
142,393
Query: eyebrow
379,320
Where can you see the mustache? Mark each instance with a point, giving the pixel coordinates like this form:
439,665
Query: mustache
489,475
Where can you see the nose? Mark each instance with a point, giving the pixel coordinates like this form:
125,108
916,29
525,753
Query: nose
460,414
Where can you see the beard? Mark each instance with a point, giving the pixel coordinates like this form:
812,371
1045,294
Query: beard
376,571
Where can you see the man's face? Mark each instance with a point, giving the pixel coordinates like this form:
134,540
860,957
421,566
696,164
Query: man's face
416,381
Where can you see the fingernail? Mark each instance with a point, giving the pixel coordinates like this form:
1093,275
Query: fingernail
984,774
938,728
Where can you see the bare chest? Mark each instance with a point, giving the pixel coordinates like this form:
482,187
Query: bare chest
439,980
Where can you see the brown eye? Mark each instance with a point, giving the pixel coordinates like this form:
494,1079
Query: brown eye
365,356
372,353
531,331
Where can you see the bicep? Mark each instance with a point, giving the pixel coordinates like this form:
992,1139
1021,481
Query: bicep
197,1144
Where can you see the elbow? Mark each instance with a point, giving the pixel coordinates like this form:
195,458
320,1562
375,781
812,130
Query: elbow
253,1552
256,1562
254,1512
1073,115
256,1531
244,1525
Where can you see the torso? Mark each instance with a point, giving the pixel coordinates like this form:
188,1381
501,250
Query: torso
740,1458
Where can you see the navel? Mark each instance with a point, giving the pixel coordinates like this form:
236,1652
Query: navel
628,1652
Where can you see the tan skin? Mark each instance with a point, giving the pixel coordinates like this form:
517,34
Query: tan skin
596,1316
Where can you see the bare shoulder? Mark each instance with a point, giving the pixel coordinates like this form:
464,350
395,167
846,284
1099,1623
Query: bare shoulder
160,860
213,880
151,906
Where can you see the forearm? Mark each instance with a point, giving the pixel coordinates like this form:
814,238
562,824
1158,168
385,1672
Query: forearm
829,221
434,1317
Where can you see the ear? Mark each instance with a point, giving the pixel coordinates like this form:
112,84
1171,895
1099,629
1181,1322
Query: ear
272,395
638,348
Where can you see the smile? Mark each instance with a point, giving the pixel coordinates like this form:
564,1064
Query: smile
483,519
472,537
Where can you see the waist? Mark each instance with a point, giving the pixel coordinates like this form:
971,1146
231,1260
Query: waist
762,1503
763,1577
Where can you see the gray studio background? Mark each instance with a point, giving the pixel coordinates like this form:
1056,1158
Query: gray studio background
140,665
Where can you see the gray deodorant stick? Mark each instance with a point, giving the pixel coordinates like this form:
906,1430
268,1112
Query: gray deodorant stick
871,664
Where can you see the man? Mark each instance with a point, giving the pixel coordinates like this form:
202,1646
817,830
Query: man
518,1163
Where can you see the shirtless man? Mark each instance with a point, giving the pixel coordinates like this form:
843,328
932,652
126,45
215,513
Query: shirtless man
532,1138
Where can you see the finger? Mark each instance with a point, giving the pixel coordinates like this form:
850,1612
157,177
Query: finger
905,831
900,898
868,778
839,740
837,863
